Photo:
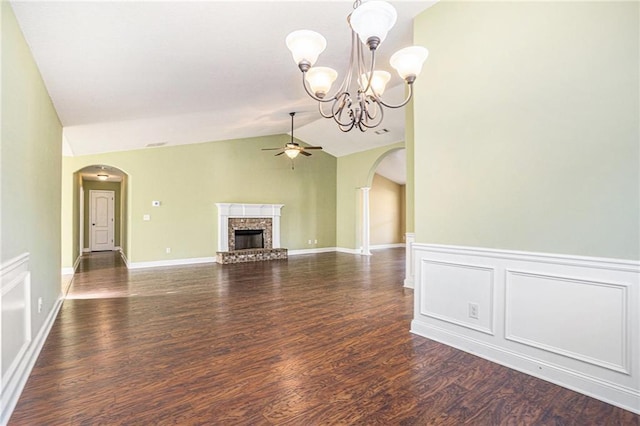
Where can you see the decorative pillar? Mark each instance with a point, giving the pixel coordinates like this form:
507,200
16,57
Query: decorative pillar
365,221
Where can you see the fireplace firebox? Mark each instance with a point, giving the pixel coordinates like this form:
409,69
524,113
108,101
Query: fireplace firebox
249,239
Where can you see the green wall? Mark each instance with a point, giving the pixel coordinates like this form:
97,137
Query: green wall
354,171
526,127
94,185
31,152
190,179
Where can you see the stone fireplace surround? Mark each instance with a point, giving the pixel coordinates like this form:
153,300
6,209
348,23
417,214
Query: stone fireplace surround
266,217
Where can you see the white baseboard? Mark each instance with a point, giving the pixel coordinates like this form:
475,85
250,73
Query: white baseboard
608,392
408,282
386,246
526,316
172,262
312,251
124,258
86,250
71,270
348,250
14,388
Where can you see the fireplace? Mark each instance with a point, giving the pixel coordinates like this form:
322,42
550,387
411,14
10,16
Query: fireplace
249,233
248,239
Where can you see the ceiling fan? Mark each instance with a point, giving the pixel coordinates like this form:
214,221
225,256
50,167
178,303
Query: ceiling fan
292,149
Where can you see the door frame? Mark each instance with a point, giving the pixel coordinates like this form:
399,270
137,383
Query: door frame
111,210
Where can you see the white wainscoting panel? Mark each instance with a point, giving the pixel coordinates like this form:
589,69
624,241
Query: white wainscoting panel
16,321
449,289
585,320
574,321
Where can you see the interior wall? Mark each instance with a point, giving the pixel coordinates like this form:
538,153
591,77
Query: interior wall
527,189
526,127
30,162
386,211
189,179
94,185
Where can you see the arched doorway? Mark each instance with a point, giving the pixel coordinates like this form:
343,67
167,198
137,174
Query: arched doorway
382,203
92,185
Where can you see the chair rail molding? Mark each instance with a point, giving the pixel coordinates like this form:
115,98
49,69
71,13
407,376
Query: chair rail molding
570,320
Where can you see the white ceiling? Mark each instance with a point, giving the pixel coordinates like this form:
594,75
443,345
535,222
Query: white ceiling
126,74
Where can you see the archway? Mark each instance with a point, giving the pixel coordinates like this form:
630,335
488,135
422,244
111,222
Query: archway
392,169
99,178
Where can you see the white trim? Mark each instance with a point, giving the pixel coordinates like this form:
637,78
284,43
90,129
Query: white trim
86,250
239,210
124,258
560,259
620,396
173,262
12,272
386,246
117,248
348,250
111,227
311,251
71,270
409,238
366,220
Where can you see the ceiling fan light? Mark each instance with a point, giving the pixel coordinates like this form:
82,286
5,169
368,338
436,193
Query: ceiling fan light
292,152
103,177
306,46
373,19
408,61
379,82
320,79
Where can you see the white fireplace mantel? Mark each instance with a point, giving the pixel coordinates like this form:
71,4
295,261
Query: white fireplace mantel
239,210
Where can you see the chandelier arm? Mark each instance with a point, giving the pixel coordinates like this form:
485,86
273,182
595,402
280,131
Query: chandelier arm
314,97
369,73
336,113
322,113
406,101
377,123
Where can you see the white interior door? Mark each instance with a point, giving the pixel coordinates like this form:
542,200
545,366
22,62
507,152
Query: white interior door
102,220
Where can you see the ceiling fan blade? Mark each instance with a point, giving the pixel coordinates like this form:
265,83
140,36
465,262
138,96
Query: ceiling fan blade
270,149
305,153
312,147
280,153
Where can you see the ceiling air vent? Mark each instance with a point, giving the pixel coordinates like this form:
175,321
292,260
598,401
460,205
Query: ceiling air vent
381,131
153,145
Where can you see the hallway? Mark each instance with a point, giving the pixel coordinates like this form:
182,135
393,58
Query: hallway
317,339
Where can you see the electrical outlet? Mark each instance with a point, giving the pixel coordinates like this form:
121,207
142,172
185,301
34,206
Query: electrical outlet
168,250
39,305
315,241
473,310
309,241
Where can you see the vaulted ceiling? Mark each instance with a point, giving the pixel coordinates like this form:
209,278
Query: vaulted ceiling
126,74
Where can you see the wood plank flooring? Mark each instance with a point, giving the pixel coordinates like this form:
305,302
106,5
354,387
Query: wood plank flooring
318,339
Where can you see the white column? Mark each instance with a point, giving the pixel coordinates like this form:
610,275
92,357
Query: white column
365,221
409,239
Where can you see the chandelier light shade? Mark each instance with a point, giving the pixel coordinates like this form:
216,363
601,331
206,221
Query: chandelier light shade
408,61
357,102
378,82
306,46
372,21
103,177
320,80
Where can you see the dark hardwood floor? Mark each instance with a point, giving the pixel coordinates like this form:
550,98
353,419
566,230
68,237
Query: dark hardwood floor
317,339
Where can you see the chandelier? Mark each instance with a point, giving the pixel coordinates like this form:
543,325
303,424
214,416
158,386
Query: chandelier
370,22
